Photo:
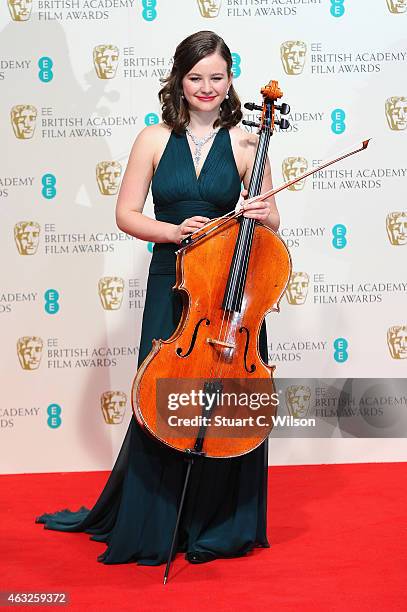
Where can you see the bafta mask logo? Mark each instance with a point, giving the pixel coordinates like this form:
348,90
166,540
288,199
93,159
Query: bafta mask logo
396,226
105,59
293,54
108,175
397,341
111,289
209,8
20,10
298,398
292,168
297,288
23,118
113,404
27,235
29,351
396,112
397,6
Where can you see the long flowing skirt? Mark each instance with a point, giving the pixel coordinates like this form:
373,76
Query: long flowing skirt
225,507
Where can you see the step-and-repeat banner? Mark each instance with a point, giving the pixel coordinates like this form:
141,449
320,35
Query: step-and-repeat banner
79,79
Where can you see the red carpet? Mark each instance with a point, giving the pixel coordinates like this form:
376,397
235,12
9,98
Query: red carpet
338,535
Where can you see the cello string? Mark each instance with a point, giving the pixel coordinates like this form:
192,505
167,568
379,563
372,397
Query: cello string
240,265
236,265
240,262
227,314
258,174
237,279
239,273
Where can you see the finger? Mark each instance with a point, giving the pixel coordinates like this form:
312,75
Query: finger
193,225
189,230
199,218
239,204
255,215
257,205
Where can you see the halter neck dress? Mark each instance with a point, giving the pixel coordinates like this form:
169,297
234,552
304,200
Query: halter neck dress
225,507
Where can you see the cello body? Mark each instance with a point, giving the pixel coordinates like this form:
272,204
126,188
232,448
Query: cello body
213,343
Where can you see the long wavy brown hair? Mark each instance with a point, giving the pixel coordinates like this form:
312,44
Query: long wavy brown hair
189,52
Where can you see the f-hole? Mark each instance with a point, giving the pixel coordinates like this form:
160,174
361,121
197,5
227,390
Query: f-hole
252,367
193,339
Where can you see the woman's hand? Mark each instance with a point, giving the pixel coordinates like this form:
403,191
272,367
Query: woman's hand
187,227
255,210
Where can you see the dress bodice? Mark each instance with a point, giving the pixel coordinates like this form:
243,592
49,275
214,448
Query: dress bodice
178,193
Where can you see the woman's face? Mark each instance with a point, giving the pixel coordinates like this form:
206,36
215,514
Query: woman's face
206,84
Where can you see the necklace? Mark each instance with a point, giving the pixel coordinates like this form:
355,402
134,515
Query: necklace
199,143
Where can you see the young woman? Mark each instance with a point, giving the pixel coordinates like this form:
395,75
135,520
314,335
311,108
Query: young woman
195,162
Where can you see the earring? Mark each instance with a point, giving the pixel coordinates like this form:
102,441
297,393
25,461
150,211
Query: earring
227,95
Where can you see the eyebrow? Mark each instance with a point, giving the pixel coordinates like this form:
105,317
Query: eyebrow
199,74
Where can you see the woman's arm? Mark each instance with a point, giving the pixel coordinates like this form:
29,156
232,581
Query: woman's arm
134,189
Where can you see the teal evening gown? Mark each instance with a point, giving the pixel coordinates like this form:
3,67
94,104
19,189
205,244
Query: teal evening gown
225,508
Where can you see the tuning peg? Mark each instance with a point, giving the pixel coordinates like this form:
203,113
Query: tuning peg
283,108
252,123
253,106
283,123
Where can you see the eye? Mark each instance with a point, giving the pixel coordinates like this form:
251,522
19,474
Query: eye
194,78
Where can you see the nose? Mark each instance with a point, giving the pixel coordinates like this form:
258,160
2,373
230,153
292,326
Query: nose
206,87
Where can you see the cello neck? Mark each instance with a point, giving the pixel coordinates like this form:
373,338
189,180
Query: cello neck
256,179
235,287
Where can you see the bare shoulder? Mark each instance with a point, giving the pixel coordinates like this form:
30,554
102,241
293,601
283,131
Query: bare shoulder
151,142
153,136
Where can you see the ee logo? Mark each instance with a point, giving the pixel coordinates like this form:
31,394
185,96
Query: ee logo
339,236
338,121
54,416
337,8
340,352
51,297
48,186
236,70
151,119
45,65
149,13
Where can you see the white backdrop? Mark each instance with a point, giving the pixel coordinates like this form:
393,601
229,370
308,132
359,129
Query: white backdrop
79,79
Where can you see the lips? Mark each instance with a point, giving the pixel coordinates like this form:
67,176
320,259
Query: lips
206,98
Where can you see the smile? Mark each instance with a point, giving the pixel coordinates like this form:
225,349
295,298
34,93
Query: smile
206,98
